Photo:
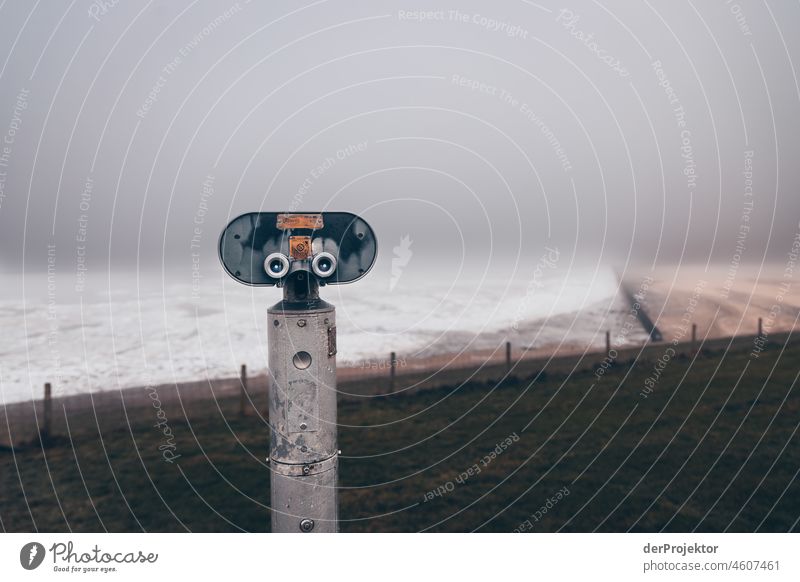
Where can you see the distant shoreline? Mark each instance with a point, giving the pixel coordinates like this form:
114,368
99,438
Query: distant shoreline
668,300
19,421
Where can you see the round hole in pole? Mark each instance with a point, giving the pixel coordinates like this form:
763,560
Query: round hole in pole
301,360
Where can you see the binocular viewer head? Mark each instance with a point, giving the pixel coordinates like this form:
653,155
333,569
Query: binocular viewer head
266,248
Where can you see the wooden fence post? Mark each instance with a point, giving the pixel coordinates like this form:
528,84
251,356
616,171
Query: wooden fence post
243,391
508,356
48,410
694,339
608,343
392,370
760,328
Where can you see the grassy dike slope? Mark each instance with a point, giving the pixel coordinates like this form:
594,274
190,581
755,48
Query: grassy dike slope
713,447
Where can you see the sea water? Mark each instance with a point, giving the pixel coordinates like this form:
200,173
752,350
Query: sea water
128,329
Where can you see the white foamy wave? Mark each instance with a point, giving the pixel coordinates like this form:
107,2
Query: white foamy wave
131,331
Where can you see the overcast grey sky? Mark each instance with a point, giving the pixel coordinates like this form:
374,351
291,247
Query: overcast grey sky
611,130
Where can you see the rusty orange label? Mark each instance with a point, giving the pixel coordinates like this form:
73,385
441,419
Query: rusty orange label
300,247
287,221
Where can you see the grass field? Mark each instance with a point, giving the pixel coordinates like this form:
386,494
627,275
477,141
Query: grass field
714,447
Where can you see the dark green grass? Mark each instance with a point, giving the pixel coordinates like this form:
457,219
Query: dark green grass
713,448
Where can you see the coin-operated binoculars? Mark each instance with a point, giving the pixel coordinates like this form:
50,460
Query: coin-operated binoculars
300,253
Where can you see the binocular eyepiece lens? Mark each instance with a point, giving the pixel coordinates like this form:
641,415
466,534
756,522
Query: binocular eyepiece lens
276,265
323,265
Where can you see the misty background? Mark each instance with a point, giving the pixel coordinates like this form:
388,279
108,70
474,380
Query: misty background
483,142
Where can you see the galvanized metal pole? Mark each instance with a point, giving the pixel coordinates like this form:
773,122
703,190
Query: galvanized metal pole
304,453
